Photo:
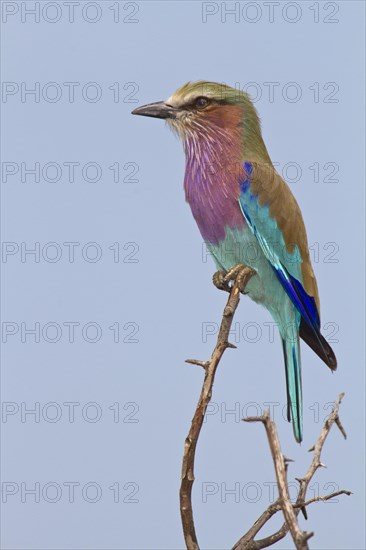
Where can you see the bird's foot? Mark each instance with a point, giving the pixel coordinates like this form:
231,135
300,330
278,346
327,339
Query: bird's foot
219,280
239,272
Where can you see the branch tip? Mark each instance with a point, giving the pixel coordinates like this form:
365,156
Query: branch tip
254,419
308,536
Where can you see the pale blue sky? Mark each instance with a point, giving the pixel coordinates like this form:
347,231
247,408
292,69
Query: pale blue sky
128,297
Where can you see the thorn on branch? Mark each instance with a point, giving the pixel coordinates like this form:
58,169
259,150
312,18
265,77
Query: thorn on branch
340,426
203,364
230,345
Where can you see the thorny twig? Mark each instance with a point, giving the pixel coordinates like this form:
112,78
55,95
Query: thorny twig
247,542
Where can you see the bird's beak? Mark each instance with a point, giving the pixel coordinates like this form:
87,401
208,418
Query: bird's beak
157,110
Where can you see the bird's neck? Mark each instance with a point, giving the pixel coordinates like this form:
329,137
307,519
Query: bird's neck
215,151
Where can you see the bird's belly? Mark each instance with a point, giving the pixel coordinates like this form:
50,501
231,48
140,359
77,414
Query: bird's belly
241,246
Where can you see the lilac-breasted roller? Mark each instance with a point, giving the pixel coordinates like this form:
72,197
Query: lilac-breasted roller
247,214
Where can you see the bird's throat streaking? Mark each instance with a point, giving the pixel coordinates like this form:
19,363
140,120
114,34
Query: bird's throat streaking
213,168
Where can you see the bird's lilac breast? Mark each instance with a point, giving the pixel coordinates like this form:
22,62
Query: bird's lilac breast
213,197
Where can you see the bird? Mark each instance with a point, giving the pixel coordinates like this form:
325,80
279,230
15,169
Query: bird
247,214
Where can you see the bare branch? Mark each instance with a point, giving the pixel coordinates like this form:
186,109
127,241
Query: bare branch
323,498
247,541
300,537
241,275
318,447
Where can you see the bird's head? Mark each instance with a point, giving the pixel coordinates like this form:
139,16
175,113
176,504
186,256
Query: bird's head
209,112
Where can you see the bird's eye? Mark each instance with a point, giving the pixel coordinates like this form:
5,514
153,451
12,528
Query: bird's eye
201,102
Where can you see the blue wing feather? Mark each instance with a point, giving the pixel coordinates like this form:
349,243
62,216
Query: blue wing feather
286,266
265,230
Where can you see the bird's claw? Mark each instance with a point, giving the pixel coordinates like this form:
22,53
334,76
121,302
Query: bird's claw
220,282
222,279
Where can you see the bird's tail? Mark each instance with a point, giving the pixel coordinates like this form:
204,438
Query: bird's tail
291,351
